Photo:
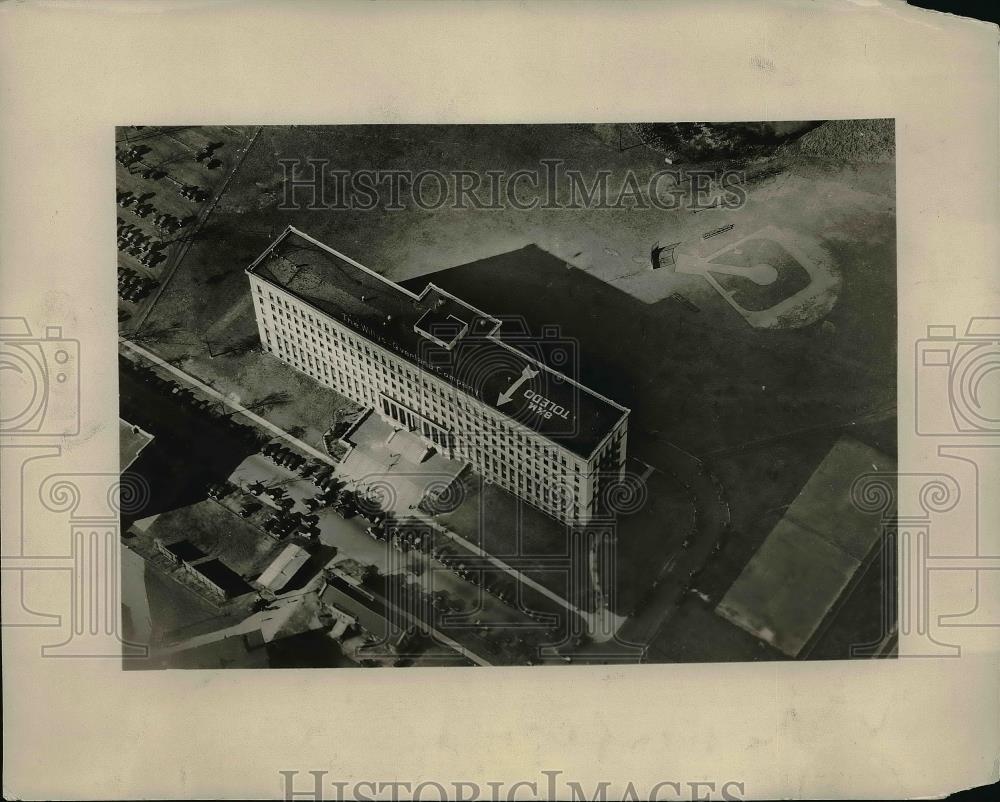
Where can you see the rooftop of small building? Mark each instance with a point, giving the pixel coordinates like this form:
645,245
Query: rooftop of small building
284,567
794,580
185,550
223,576
495,361
131,441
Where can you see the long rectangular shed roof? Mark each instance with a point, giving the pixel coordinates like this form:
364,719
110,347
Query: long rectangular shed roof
810,557
284,567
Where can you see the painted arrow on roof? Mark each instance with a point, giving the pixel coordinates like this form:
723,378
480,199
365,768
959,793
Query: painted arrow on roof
508,394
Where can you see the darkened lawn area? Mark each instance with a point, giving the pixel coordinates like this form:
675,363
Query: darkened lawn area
308,650
524,537
704,386
645,538
705,383
695,634
204,323
760,484
191,447
501,523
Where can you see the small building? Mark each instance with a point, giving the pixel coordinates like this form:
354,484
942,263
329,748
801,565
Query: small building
180,550
218,577
343,598
284,567
131,442
808,561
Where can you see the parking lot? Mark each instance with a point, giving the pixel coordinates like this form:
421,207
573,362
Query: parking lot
348,532
167,178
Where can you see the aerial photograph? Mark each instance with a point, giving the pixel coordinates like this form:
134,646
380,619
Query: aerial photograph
528,394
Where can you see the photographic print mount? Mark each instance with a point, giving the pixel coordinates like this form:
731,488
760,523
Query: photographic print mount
507,394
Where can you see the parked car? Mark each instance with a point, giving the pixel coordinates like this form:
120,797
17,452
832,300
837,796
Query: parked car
344,510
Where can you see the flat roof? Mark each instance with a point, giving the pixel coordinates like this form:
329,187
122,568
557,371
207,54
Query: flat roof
804,565
284,567
185,550
223,576
131,441
469,349
335,594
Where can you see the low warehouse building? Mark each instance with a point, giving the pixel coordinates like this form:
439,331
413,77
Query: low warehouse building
811,556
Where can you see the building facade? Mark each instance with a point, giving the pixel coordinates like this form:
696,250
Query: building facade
472,386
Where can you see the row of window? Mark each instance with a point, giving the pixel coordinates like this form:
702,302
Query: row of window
351,365
448,403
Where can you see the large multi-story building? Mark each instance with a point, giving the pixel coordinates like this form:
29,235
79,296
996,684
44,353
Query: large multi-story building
472,386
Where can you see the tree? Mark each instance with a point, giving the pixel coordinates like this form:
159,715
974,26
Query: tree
269,401
151,335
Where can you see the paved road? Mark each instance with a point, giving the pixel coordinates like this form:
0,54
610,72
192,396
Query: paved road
675,577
